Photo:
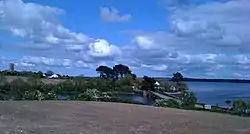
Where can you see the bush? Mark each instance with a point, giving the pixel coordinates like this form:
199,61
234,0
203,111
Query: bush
167,103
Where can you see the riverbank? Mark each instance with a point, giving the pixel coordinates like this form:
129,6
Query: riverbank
47,117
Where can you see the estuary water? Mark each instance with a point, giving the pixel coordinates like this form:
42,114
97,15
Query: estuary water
208,92
218,92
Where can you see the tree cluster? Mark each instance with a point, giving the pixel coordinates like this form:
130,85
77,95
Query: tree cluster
22,73
118,71
177,77
148,83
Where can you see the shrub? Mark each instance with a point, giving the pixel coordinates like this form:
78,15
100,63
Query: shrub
167,103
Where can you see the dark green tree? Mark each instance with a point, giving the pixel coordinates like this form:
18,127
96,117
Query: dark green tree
148,83
40,74
121,69
49,73
134,76
105,72
177,77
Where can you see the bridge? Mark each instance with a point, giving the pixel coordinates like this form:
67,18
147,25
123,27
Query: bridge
163,96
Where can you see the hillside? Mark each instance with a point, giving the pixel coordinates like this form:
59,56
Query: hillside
50,117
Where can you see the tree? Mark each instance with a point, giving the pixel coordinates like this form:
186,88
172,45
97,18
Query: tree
125,84
189,99
49,73
134,76
177,77
240,107
181,87
121,70
40,74
148,83
105,72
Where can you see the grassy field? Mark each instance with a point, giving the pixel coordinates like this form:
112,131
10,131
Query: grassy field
55,117
44,80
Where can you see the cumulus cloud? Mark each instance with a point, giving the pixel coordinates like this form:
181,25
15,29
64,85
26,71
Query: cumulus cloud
205,39
40,25
36,22
113,15
144,42
102,48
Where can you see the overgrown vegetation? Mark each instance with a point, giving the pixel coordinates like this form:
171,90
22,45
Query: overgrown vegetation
74,88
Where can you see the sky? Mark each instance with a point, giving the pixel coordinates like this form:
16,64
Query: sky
199,38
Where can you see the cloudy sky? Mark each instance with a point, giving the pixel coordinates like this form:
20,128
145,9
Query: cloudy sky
200,38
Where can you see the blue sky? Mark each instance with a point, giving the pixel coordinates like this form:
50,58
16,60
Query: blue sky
200,38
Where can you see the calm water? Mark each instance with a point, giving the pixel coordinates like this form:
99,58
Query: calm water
218,92
209,92
137,98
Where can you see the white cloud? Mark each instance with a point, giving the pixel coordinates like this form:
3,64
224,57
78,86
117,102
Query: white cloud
204,39
144,42
102,48
36,22
45,61
47,36
81,64
29,61
227,23
24,64
160,67
113,15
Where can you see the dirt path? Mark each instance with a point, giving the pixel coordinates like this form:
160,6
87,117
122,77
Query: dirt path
55,117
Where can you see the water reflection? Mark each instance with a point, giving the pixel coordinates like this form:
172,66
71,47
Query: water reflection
137,98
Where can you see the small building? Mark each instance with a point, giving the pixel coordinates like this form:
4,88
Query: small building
157,83
53,76
208,107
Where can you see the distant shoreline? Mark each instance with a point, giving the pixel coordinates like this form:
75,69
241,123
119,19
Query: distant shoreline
209,80
216,80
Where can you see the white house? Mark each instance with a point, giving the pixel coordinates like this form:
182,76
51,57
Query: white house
53,76
157,83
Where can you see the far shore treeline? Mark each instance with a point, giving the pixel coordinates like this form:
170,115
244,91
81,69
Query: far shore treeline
40,74
28,85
